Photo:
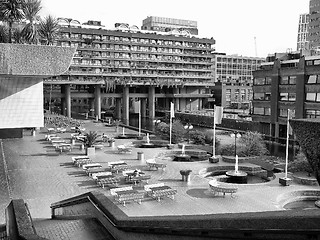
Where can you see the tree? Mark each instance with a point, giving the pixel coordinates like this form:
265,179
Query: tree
11,11
307,132
31,12
252,144
48,29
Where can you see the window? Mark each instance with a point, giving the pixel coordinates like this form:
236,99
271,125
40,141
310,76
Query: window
311,97
292,80
313,79
267,111
284,80
267,96
268,80
292,97
259,81
258,111
310,113
284,97
258,96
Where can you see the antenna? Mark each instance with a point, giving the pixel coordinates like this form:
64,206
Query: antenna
255,46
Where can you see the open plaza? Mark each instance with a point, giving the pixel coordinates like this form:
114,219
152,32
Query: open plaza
30,172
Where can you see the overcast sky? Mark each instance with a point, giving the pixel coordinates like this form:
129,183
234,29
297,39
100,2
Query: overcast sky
234,24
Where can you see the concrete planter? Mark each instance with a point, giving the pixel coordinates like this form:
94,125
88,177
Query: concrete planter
90,151
285,181
215,159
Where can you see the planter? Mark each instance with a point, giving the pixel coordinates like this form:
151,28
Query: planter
185,175
170,146
285,181
90,151
214,159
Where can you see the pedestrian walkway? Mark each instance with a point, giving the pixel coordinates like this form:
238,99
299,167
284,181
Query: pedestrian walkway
40,180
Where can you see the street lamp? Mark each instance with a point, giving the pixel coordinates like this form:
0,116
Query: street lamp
235,135
188,127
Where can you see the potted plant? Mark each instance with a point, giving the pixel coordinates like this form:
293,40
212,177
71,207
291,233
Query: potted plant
89,141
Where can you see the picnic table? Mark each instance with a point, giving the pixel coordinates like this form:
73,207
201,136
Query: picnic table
161,191
91,165
129,195
108,180
131,177
100,175
63,147
118,166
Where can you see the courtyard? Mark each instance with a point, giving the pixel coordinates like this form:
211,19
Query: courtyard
28,172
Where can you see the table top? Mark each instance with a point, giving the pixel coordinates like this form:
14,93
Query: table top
126,192
160,188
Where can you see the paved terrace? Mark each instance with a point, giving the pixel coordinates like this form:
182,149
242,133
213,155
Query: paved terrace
27,172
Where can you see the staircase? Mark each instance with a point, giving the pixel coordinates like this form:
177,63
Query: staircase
77,229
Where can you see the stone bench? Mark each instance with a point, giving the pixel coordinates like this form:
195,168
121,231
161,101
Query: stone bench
217,188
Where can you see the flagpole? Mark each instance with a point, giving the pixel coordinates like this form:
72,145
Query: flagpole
170,131
139,117
287,145
214,134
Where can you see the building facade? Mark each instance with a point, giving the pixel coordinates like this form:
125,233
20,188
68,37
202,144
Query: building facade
234,72
303,31
290,81
164,24
314,25
113,68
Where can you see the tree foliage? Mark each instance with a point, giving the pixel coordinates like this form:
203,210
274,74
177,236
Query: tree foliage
307,132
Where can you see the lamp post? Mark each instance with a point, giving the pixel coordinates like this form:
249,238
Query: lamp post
188,127
235,135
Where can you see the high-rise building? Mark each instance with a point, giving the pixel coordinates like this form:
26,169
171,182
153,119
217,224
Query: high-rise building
114,68
314,25
164,24
234,72
303,30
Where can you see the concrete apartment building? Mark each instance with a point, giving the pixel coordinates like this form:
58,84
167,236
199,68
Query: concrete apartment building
115,68
303,31
314,26
286,81
164,24
234,73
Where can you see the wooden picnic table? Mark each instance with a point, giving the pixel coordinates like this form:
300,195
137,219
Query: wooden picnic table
158,192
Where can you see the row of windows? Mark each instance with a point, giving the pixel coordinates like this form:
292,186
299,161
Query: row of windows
262,81
311,113
284,96
239,60
134,40
262,96
285,80
283,112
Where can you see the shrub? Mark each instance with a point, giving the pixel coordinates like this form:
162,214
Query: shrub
178,132
252,144
300,164
197,137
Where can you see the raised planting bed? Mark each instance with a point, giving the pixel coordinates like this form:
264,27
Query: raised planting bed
195,154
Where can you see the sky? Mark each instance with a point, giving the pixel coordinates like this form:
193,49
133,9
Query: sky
244,27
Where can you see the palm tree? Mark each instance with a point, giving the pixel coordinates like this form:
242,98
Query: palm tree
11,11
17,35
31,12
48,29
4,34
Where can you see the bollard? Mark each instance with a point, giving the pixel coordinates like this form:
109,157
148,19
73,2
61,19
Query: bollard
140,156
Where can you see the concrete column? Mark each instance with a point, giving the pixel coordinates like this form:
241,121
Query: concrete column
118,108
67,95
143,107
125,105
91,107
152,102
97,101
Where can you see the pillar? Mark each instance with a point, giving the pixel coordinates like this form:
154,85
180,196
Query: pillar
151,102
91,107
118,108
67,95
143,107
125,105
97,101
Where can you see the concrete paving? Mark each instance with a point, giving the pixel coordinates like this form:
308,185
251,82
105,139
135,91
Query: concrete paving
27,172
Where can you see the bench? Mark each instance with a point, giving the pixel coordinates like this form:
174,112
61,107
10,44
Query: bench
130,196
111,180
217,188
147,187
100,175
118,166
81,160
160,191
151,163
114,191
91,165
92,171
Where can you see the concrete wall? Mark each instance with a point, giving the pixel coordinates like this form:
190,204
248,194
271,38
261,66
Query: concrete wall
21,102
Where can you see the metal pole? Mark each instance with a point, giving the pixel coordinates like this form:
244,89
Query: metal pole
139,118
235,143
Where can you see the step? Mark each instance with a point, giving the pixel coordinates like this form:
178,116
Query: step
78,229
